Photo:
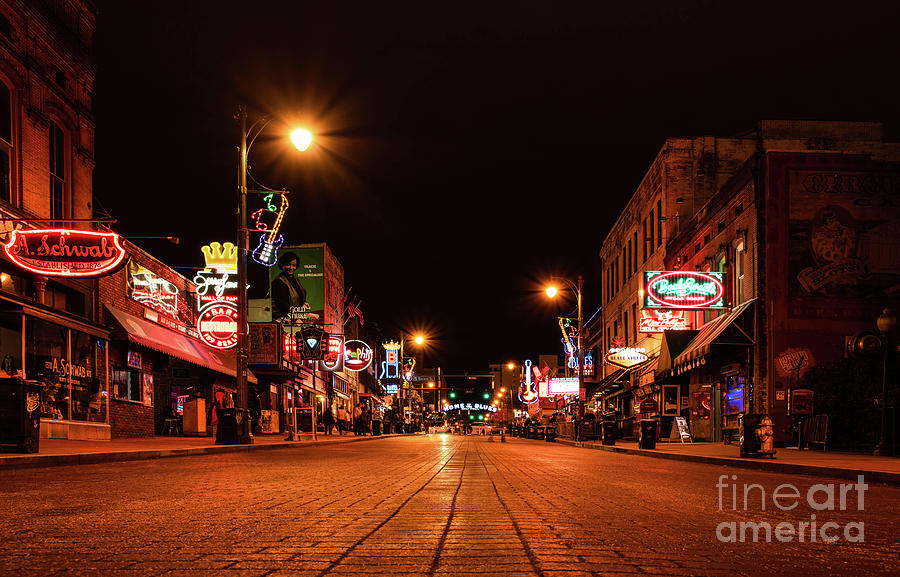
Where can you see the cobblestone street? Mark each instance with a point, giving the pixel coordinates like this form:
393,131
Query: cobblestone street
421,505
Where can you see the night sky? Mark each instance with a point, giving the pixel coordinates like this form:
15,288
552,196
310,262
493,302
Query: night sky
465,151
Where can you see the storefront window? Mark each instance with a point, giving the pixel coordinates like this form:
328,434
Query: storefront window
734,395
72,386
10,344
127,384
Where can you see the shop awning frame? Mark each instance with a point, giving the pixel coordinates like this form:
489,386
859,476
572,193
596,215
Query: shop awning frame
161,339
713,333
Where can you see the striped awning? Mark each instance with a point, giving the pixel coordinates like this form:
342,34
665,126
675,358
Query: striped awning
712,333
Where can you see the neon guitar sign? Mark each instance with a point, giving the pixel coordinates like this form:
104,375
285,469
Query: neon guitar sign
266,252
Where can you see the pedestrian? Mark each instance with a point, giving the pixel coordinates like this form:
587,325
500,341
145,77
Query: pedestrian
357,419
342,418
367,421
328,420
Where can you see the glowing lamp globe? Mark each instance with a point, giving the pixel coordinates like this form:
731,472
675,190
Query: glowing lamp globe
301,138
551,291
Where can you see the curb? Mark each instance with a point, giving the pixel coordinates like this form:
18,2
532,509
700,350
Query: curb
754,464
39,461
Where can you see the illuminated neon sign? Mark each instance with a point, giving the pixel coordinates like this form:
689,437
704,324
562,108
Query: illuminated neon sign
64,252
471,407
684,290
626,357
217,324
153,291
657,321
266,252
334,355
357,356
390,366
563,386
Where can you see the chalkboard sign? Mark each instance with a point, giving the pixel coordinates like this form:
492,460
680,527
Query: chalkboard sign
683,430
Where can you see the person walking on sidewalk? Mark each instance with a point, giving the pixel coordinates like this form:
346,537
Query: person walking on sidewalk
328,420
357,420
342,418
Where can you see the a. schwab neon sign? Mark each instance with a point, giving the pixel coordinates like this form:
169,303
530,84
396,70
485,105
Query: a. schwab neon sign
684,290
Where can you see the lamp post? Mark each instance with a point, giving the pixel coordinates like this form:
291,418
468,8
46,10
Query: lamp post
886,323
552,291
301,139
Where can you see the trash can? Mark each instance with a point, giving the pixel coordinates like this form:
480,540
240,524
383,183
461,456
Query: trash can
608,429
647,439
376,428
234,427
20,414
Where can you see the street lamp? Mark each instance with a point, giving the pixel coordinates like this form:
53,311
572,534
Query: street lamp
886,323
302,139
419,340
551,292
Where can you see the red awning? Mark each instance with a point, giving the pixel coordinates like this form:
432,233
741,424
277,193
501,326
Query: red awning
174,344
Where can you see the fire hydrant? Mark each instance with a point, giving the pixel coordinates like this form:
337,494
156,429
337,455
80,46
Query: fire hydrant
765,434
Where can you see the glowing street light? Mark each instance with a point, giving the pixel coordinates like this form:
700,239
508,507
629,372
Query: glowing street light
551,292
510,366
301,138
419,340
242,353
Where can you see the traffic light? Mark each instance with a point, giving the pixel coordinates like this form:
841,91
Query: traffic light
864,344
487,395
452,394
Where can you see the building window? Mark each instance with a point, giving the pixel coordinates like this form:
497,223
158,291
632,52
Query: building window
5,27
634,319
739,268
624,264
625,325
634,252
616,275
652,244
127,384
57,171
738,209
644,244
6,143
659,219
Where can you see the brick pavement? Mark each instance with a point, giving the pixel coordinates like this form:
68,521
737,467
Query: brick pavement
435,506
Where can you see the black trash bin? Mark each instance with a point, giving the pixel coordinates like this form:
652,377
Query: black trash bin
234,427
608,429
20,414
647,439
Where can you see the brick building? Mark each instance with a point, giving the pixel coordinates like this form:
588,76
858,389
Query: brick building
49,328
783,204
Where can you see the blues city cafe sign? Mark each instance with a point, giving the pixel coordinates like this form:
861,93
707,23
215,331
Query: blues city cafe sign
684,290
65,253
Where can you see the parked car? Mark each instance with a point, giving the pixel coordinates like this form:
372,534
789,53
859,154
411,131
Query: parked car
482,429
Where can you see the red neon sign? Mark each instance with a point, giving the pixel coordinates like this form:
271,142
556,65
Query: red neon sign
660,321
65,252
218,325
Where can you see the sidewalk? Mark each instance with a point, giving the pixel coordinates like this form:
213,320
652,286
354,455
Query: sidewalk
54,452
786,460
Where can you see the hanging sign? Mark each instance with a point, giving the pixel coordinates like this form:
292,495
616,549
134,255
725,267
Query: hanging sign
357,356
265,346
218,326
657,321
64,252
333,359
471,407
390,366
153,291
626,357
684,289
563,386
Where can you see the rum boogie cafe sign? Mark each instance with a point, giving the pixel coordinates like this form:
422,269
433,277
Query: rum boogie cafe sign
684,290
64,252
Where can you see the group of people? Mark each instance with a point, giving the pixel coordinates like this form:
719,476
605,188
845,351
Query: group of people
359,419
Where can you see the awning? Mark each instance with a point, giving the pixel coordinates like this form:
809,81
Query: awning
673,344
606,382
714,333
166,341
373,397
